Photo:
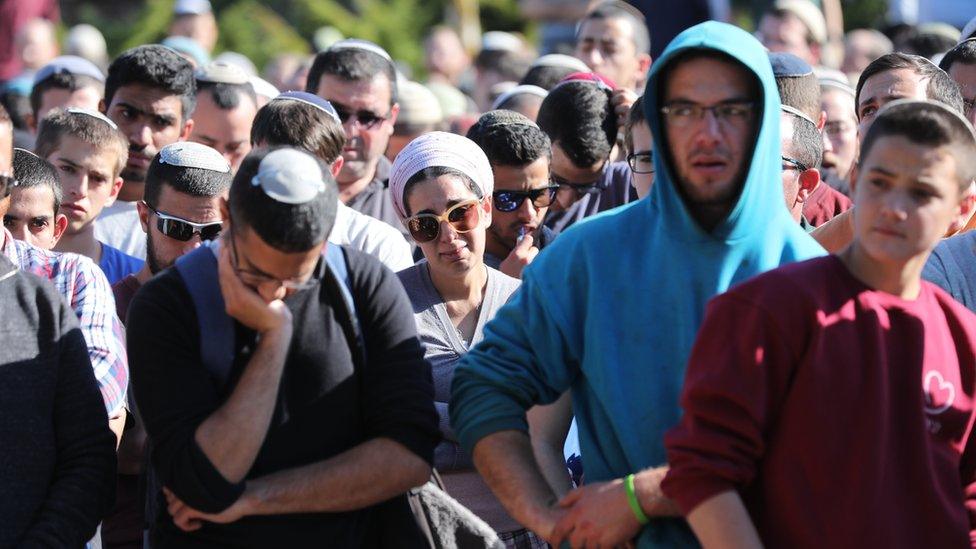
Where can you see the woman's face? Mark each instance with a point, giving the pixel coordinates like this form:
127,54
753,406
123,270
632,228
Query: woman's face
451,253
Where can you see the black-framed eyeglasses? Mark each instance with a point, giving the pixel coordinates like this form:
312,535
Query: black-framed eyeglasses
641,162
681,114
7,183
255,279
366,119
180,229
509,201
800,167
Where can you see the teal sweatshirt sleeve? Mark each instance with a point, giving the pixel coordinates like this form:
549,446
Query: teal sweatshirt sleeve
524,359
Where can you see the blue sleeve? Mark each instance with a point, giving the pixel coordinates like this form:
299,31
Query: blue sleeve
936,273
527,357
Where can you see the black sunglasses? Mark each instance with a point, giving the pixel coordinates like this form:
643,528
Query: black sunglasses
509,201
366,119
7,183
183,230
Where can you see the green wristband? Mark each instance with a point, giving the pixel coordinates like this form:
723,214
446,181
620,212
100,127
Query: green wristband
632,500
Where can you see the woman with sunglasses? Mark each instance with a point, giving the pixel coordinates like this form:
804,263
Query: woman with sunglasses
441,187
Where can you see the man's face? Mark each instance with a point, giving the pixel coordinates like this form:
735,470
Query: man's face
365,143
965,76
83,98
787,34
162,251
88,181
572,179
640,135
505,226
151,119
883,88
6,159
841,131
710,154
907,195
859,51
201,28
444,54
607,47
31,217
227,131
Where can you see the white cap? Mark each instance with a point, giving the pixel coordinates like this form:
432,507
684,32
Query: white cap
359,44
93,114
418,105
239,59
289,176
311,100
524,89
221,72
191,7
562,61
188,154
501,41
263,88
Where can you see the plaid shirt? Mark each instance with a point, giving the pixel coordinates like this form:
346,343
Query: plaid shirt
84,287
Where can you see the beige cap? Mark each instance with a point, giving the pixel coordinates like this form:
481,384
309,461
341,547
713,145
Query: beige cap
808,13
418,105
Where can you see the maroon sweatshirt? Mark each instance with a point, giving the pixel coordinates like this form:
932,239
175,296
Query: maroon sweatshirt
842,415
824,203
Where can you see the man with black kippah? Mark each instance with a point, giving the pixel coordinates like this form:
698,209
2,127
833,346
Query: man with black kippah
270,422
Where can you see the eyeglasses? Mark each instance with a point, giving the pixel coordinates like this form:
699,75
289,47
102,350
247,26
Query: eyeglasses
509,201
183,230
366,119
682,114
795,164
642,162
255,279
7,183
462,217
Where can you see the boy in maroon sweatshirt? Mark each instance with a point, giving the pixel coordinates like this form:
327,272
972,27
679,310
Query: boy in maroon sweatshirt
830,403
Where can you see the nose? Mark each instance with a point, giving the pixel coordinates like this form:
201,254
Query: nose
272,290
527,211
76,186
352,127
828,145
894,206
709,130
447,233
140,135
191,244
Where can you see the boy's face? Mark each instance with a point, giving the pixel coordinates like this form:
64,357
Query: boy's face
907,195
86,97
88,180
31,217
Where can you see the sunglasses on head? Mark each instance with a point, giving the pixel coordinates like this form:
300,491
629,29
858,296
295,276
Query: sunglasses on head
366,119
183,230
509,201
463,217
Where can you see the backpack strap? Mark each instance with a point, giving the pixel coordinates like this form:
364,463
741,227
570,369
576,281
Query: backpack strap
199,272
339,286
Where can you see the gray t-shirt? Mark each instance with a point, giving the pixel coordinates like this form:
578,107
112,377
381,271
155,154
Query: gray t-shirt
443,345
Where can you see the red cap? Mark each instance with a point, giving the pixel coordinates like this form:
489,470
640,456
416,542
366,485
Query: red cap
589,77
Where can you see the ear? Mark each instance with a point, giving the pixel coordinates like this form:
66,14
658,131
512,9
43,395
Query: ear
225,212
394,111
187,130
852,178
60,224
822,121
967,206
114,193
336,166
643,65
143,210
103,107
486,210
808,183
31,122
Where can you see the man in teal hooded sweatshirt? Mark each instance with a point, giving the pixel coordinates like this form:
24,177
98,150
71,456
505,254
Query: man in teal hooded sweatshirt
610,310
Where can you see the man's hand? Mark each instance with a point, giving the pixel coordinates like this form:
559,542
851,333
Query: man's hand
622,100
189,519
520,256
244,304
598,515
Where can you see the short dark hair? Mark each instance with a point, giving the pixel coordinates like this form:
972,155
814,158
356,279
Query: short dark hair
511,66
801,93
613,9
191,181
545,76
940,87
351,64
155,66
636,116
807,142
580,118
929,44
433,172
513,145
227,96
288,228
31,171
59,124
964,52
926,124
297,124
62,81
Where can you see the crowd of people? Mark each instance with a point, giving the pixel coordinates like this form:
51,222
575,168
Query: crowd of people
720,297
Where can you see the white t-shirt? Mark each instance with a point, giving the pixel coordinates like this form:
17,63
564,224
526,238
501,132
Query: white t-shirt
370,235
118,226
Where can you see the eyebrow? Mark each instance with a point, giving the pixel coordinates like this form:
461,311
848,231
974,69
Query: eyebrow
450,204
76,165
722,102
882,171
168,117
